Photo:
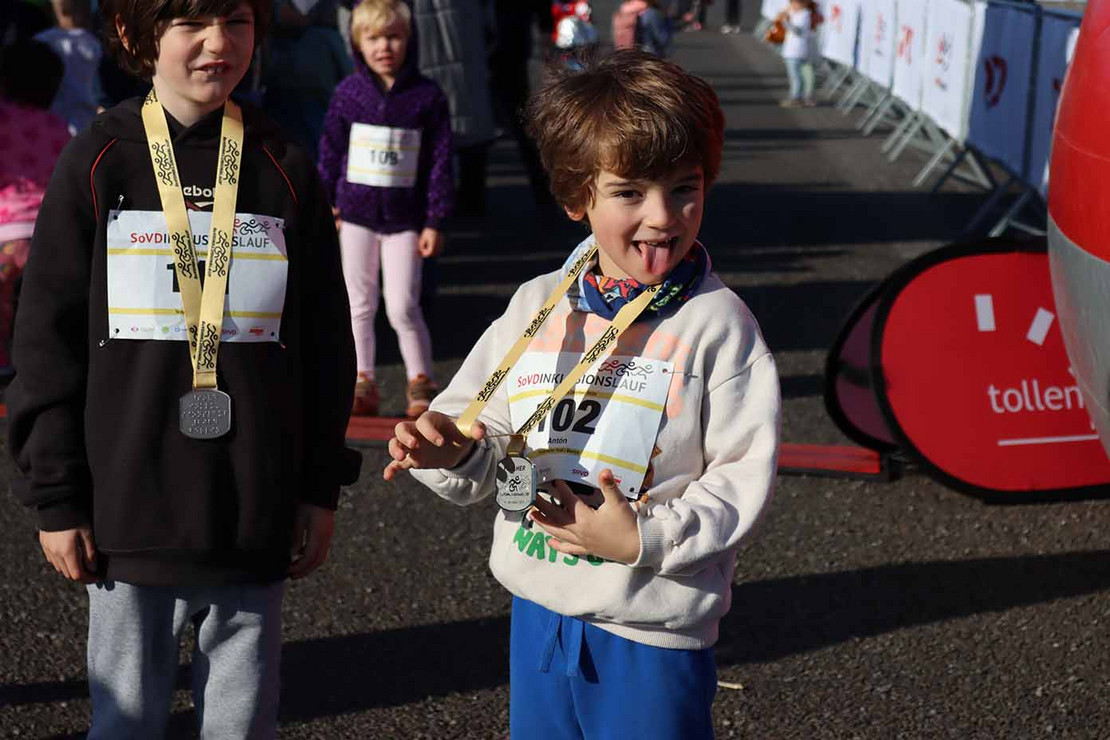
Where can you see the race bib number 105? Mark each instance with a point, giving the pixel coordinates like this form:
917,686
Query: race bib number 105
610,419
382,156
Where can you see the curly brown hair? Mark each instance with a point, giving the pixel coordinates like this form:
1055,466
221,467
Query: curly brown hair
144,22
628,112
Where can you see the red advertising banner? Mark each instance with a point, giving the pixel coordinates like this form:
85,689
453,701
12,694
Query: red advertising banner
970,371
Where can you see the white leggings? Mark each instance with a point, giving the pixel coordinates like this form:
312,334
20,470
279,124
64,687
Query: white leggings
363,251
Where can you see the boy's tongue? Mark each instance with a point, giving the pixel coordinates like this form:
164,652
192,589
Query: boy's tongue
654,257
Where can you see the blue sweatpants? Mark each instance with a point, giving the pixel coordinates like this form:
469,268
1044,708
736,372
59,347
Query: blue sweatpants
570,679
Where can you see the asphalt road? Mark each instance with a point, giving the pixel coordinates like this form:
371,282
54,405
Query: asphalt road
861,609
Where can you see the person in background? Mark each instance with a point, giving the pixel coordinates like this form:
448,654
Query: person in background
798,51
451,38
31,138
509,56
732,17
643,24
20,20
385,158
78,98
307,59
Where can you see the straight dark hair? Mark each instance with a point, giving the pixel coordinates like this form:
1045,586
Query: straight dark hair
144,22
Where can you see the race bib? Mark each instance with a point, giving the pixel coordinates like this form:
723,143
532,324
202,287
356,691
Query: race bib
144,301
382,156
610,419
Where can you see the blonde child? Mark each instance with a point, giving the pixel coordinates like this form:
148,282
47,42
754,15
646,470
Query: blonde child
616,602
385,158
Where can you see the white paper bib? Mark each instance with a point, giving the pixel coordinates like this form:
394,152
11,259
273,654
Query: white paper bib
382,156
610,420
143,297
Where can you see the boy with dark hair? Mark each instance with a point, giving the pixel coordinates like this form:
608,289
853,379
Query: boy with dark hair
625,409
179,437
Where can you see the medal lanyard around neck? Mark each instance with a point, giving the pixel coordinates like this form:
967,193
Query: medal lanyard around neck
203,305
600,348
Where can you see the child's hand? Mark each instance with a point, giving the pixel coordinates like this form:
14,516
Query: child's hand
431,243
312,530
338,220
72,552
610,532
432,441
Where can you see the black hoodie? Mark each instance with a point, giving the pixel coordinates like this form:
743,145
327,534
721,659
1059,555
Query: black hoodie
93,418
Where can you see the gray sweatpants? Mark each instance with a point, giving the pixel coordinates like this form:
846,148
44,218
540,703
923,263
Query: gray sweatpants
134,638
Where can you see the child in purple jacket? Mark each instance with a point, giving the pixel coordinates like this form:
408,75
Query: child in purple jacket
385,158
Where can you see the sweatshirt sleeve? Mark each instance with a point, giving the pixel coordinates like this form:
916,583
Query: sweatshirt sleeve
46,400
740,426
441,185
473,480
329,358
333,145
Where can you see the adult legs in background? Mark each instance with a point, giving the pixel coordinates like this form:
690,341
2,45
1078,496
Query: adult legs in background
401,273
807,74
359,248
471,200
794,74
732,14
510,93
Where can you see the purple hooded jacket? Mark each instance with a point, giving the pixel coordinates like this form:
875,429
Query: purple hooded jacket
414,102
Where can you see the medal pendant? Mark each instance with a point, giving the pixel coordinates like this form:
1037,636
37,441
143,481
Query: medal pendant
205,413
516,483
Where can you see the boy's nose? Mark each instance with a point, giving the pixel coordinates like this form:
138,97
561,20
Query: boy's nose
217,38
659,212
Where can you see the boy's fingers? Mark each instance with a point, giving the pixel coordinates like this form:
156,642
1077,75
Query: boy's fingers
397,450
435,428
609,488
397,466
566,547
89,549
550,513
406,433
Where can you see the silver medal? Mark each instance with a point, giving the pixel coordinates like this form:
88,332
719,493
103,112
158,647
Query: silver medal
205,413
516,483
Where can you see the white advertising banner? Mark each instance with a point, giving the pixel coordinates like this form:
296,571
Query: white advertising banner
1058,36
879,41
999,115
910,51
945,93
841,29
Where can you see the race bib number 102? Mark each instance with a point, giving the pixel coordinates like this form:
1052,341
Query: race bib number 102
610,419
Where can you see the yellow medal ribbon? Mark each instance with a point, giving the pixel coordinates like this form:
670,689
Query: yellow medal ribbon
203,305
596,353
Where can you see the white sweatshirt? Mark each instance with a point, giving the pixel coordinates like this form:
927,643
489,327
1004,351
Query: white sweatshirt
713,477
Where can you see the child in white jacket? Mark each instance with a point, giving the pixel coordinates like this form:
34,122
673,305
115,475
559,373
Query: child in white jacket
661,455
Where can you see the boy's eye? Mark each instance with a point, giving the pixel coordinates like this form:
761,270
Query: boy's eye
686,189
626,193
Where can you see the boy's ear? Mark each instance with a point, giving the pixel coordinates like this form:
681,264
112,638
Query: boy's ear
574,215
121,31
